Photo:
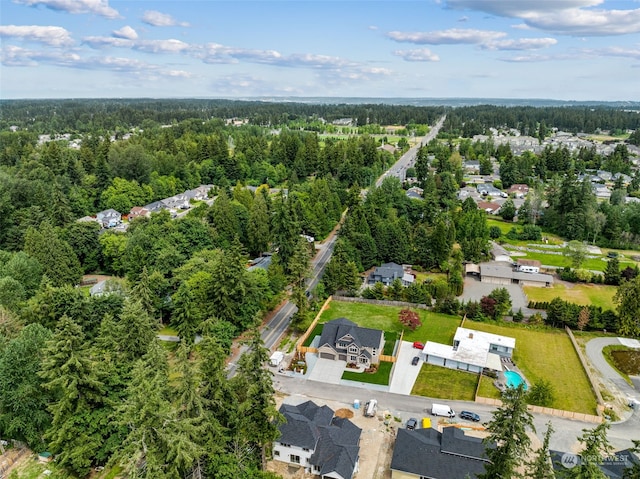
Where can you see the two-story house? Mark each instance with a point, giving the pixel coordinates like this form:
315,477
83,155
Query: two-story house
313,438
344,340
388,272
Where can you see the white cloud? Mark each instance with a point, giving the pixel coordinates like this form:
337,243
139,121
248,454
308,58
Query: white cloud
615,52
420,55
126,32
568,17
162,46
101,42
16,56
451,36
159,19
49,35
520,44
97,7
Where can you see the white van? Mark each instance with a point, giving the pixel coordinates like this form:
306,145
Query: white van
442,410
370,408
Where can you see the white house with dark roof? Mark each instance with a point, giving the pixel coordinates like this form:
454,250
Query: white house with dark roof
109,218
429,453
313,438
471,351
344,340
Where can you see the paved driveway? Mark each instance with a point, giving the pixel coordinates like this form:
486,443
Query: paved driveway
327,370
594,352
404,373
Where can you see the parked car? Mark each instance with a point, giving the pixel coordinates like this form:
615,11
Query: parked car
412,423
418,345
471,416
415,360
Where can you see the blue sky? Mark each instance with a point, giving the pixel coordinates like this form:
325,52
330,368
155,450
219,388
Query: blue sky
556,49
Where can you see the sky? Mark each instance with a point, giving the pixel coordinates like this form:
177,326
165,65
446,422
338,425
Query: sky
581,50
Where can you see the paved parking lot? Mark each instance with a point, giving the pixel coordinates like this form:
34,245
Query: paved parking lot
474,290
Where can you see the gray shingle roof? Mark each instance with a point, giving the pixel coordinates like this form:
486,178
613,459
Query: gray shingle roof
422,452
341,327
335,441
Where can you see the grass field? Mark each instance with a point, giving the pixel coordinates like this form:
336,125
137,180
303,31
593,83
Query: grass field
381,376
437,382
578,293
548,354
487,389
435,327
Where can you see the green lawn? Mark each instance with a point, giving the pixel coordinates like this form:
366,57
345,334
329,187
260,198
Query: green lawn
487,389
578,293
560,261
548,354
381,376
443,383
435,326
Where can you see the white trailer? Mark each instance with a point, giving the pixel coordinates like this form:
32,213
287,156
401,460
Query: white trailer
370,408
442,410
276,358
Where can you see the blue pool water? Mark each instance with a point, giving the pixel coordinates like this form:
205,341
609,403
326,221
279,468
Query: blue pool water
514,379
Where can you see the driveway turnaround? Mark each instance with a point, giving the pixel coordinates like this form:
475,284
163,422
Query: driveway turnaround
594,352
405,373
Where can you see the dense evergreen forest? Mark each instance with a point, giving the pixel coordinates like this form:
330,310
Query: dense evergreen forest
84,377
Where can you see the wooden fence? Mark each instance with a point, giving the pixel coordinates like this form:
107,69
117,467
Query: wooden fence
546,410
306,349
585,366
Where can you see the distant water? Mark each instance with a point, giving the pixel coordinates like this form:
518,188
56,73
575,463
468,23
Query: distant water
453,102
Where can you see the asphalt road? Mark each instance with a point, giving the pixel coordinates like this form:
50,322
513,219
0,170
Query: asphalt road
564,438
399,168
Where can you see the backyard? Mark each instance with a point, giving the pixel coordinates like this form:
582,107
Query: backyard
548,354
435,326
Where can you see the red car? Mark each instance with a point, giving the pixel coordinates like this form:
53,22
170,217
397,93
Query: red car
418,345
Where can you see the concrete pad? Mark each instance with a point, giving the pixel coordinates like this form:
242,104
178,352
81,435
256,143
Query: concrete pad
404,373
327,371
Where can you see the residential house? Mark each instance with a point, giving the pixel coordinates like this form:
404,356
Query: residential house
344,340
471,351
177,202
601,191
87,219
155,207
109,218
137,212
429,453
388,272
388,148
518,190
528,266
471,167
489,207
314,438
415,193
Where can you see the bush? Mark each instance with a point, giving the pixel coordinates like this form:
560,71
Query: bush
495,232
541,394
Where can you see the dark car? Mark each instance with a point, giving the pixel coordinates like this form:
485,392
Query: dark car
471,416
415,360
412,423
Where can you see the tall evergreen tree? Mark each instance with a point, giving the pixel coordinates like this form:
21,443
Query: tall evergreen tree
596,448
23,400
508,431
78,409
541,466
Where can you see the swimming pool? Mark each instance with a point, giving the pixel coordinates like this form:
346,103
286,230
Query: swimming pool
514,379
